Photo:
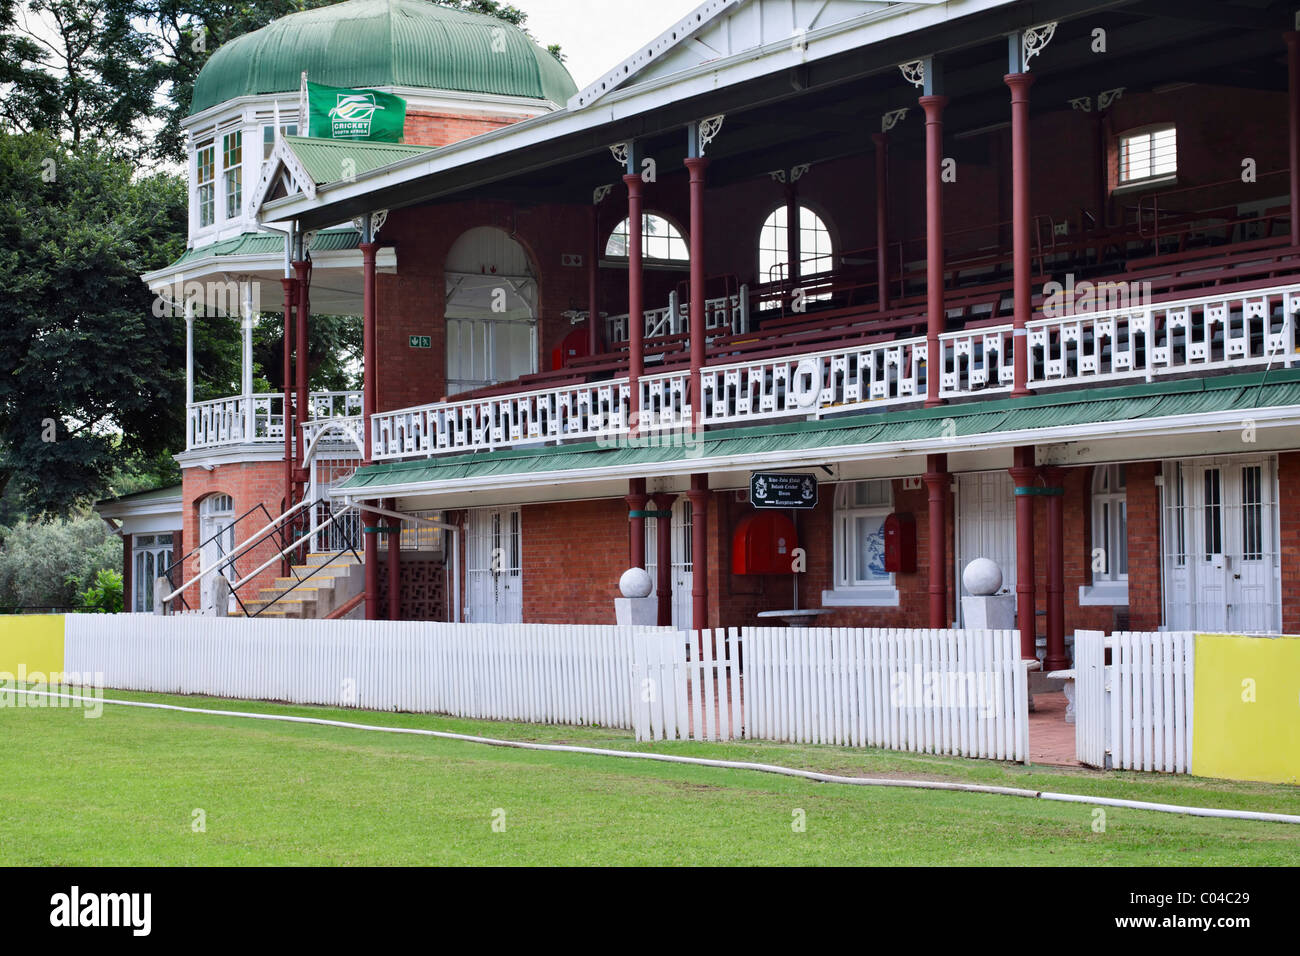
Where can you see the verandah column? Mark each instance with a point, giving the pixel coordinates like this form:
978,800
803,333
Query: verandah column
246,358
636,501
934,263
937,482
595,333
1022,276
1056,658
394,564
698,496
882,219
1293,127
696,165
793,240
369,395
636,496
302,268
290,297
1024,473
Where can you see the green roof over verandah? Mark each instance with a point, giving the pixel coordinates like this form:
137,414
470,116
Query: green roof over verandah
1056,409
330,160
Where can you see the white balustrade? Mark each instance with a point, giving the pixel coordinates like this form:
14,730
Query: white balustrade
849,379
585,411
727,314
976,360
222,421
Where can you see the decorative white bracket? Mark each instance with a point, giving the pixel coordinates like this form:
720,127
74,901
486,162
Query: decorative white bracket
798,172
778,175
913,72
599,193
1082,103
1034,41
709,129
619,152
1106,97
893,118
377,220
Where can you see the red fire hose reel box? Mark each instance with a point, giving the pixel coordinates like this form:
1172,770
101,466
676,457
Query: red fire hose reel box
763,543
900,544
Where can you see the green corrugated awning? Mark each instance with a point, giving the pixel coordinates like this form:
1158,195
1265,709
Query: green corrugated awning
1224,393
330,160
265,244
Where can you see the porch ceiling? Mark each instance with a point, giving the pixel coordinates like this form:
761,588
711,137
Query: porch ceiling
827,108
1220,403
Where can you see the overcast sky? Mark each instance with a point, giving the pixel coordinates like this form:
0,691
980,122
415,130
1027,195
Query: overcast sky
597,35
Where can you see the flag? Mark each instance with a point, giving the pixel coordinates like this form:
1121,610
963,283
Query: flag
337,113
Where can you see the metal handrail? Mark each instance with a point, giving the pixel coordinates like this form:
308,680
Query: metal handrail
300,581
241,549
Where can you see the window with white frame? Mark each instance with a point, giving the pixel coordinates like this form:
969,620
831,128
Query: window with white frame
1109,524
205,181
151,556
1148,155
861,508
232,166
660,239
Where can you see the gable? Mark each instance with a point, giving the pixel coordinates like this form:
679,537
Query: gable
723,29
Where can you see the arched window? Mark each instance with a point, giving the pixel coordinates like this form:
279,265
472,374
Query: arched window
815,252
660,239
1109,524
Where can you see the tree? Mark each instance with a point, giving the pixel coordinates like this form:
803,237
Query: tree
92,378
53,563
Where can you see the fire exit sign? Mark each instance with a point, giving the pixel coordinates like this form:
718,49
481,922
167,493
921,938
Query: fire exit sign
421,342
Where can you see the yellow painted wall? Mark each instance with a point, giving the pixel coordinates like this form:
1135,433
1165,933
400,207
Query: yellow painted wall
1233,736
31,642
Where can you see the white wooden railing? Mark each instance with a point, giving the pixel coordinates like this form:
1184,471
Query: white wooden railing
259,418
726,313
1137,343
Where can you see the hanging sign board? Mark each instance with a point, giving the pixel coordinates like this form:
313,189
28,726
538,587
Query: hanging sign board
776,490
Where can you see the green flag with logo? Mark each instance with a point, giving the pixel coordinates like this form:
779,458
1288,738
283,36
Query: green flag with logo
355,114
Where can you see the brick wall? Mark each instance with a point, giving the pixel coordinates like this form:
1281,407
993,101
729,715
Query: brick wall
1288,482
573,556
1145,605
248,484
442,129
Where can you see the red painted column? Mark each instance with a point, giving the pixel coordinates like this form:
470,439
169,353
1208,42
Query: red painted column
1022,275
937,482
1293,128
1055,658
935,320
699,499
635,301
636,501
290,297
369,395
1025,475
595,332
128,583
664,559
394,565
793,240
882,219
696,165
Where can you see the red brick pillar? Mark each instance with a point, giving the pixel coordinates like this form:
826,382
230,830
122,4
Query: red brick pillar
1288,486
938,481
1021,262
935,319
699,499
1056,658
1025,474
1145,602
664,557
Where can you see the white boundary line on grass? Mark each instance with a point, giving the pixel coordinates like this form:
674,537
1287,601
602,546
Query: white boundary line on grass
708,762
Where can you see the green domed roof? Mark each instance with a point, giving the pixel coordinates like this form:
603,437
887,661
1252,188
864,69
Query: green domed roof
369,43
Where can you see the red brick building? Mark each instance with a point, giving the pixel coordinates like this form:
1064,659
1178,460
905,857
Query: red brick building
1040,307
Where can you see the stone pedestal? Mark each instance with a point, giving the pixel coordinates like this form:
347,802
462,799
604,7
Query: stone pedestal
639,611
991,612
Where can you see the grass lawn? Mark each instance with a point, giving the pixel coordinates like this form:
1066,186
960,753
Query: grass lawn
122,789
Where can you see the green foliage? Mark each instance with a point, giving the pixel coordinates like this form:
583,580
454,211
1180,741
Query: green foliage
53,563
92,377
105,592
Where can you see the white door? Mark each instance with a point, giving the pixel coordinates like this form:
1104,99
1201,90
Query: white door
1221,565
326,472
985,523
217,535
494,567
681,559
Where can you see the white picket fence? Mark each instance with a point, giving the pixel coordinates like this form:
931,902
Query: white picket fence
929,691
537,673
688,686
1135,713
944,692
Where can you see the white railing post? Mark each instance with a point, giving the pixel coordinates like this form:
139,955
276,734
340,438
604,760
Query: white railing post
246,365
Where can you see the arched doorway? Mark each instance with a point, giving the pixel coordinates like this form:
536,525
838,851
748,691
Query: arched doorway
491,310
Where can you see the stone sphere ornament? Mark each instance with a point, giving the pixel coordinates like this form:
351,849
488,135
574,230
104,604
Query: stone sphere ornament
982,577
636,583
